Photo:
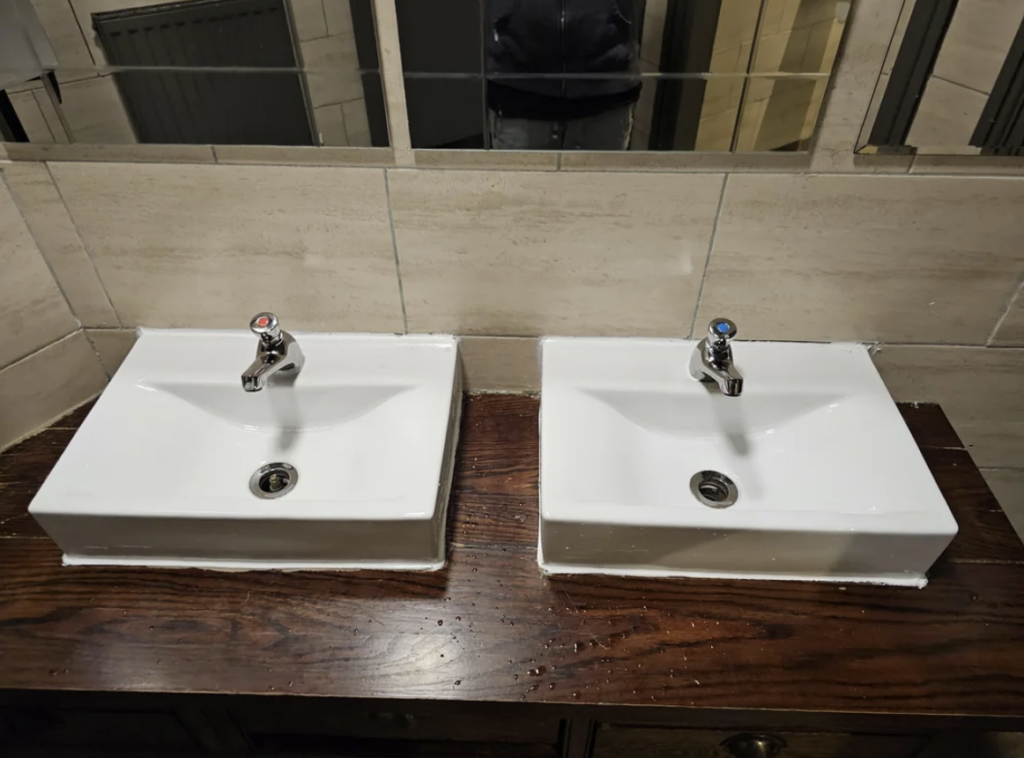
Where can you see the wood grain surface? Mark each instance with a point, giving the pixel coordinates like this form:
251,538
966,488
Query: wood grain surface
489,628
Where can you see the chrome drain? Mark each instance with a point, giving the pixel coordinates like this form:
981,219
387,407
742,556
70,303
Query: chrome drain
714,489
273,480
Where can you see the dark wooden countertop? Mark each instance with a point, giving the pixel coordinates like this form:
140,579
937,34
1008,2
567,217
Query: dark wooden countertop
490,628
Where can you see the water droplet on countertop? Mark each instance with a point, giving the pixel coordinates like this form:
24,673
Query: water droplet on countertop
539,671
440,622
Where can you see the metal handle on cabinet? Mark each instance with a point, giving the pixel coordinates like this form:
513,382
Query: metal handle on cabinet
754,746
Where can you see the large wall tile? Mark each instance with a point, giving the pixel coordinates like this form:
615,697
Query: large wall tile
980,389
32,309
529,253
500,364
59,242
46,385
208,246
893,259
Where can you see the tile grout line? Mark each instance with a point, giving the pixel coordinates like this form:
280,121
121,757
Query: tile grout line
1014,297
85,248
5,181
47,346
394,247
707,260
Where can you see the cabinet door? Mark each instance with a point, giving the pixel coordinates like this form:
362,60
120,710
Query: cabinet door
43,728
614,741
306,725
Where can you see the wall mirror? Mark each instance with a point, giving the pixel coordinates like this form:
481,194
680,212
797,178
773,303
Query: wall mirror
223,72
953,81
708,75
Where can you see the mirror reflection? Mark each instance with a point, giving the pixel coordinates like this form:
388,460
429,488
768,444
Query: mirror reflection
228,72
953,81
617,74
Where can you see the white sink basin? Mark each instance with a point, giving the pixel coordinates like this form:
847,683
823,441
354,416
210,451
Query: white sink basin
159,473
829,482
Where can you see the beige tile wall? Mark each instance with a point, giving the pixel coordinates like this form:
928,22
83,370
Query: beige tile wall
210,245
509,247
46,365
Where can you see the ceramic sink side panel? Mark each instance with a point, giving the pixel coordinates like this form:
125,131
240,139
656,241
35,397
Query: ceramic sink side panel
159,472
741,554
247,543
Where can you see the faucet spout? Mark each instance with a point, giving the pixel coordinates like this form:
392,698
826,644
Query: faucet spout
277,353
711,361
726,377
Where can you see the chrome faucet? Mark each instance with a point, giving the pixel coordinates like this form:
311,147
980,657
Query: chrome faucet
277,353
711,360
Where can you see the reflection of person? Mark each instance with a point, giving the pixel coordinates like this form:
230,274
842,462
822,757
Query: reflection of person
559,38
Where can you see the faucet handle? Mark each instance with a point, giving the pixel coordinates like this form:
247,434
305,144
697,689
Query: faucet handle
721,331
266,326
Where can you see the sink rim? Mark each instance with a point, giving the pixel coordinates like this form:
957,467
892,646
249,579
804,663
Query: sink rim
428,364
583,366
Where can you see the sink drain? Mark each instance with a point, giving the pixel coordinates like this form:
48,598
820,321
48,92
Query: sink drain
714,489
273,480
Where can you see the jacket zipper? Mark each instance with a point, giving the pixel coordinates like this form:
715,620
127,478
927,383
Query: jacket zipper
562,33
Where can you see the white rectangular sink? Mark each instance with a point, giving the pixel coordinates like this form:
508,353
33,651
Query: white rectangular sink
829,484
159,474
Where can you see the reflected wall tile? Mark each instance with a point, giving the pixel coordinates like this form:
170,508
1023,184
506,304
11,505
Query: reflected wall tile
332,70
31,117
330,124
529,253
900,259
58,240
208,246
500,364
95,113
309,19
32,309
980,389
977,41
64,33
946,115
357,123
49,111
47,384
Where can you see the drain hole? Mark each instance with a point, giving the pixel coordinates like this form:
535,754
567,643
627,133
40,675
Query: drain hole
714,489
273,480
